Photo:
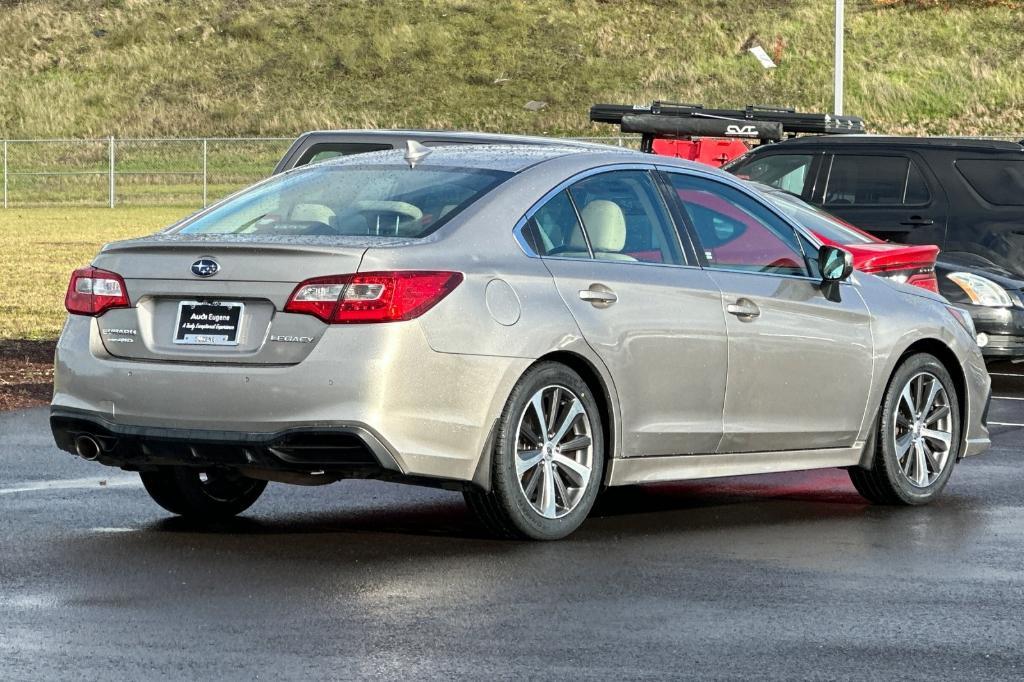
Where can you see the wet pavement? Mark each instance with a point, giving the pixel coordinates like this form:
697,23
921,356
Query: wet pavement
777,576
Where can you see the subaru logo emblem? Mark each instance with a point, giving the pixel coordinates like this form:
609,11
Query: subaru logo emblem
205,267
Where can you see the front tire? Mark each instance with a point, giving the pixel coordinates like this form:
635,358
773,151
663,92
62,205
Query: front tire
548,459
197,494
917,437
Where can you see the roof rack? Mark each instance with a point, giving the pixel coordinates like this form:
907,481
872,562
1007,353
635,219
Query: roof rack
670,119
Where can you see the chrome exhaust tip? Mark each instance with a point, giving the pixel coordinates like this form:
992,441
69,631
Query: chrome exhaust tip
87,447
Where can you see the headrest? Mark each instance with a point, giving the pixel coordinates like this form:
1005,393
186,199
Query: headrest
605,225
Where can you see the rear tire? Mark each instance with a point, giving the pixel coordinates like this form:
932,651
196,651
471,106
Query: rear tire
916,438
548,459
211,495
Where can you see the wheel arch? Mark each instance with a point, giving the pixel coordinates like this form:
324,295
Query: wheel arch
945,355
603,393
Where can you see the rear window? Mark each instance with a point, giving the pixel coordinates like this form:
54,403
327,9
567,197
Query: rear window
339,200
997,181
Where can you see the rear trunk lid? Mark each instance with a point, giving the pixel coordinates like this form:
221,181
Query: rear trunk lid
883,257
220,300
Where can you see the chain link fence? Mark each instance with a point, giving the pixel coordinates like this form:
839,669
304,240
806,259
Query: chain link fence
113,172
187,172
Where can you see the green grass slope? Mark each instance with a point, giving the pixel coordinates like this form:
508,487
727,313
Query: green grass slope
231,67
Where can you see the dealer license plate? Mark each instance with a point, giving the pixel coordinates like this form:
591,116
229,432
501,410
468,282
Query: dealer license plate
208,323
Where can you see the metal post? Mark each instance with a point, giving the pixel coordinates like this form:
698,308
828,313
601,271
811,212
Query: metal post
840,12
111,174
204,172
5,173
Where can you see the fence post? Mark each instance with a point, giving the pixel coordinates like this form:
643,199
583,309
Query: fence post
204,172
5,173
111,173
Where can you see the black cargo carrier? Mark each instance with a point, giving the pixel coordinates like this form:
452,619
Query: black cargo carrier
768,124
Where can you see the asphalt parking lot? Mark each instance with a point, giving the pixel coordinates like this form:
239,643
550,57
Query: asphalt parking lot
772,577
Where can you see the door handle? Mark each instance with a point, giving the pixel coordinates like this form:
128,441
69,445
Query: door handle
743,307
918,221
598,295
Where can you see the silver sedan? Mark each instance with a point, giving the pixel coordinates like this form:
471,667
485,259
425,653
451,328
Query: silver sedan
525,324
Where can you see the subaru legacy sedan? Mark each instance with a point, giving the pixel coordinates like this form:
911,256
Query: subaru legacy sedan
527,325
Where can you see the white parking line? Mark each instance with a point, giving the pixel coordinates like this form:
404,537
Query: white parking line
1005,397
73,484
1004,424
112,530
1004,374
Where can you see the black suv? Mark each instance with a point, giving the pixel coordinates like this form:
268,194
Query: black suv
966,196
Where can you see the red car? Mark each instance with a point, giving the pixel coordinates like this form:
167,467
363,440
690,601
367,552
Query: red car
910,264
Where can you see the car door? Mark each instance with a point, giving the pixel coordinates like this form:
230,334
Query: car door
800,363
891,194
653,317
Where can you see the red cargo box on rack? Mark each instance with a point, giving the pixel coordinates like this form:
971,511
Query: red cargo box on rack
705,150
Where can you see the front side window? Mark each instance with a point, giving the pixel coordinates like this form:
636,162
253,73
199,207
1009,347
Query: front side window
344,200
875,181
625,218
819,222
736,232
787,172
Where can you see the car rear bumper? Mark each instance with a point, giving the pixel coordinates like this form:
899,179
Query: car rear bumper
385,392
339,448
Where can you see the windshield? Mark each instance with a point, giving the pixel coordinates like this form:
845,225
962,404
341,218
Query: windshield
344,200
817,221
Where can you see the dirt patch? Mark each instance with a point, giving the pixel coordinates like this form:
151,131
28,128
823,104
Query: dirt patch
26,373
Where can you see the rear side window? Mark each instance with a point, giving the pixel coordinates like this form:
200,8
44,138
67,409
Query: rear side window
784,171
554,230
997,181
875,181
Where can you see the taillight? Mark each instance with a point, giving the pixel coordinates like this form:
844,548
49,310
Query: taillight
925,281
918,277
372,296
93,292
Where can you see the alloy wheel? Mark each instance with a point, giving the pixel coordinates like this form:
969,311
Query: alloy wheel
554,451
923,431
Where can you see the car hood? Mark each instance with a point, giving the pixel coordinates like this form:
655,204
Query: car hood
976,265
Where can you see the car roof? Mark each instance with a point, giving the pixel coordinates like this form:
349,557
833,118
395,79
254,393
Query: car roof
463,136
900,141
511,158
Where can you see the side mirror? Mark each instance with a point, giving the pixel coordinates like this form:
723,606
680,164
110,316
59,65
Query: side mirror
834,263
